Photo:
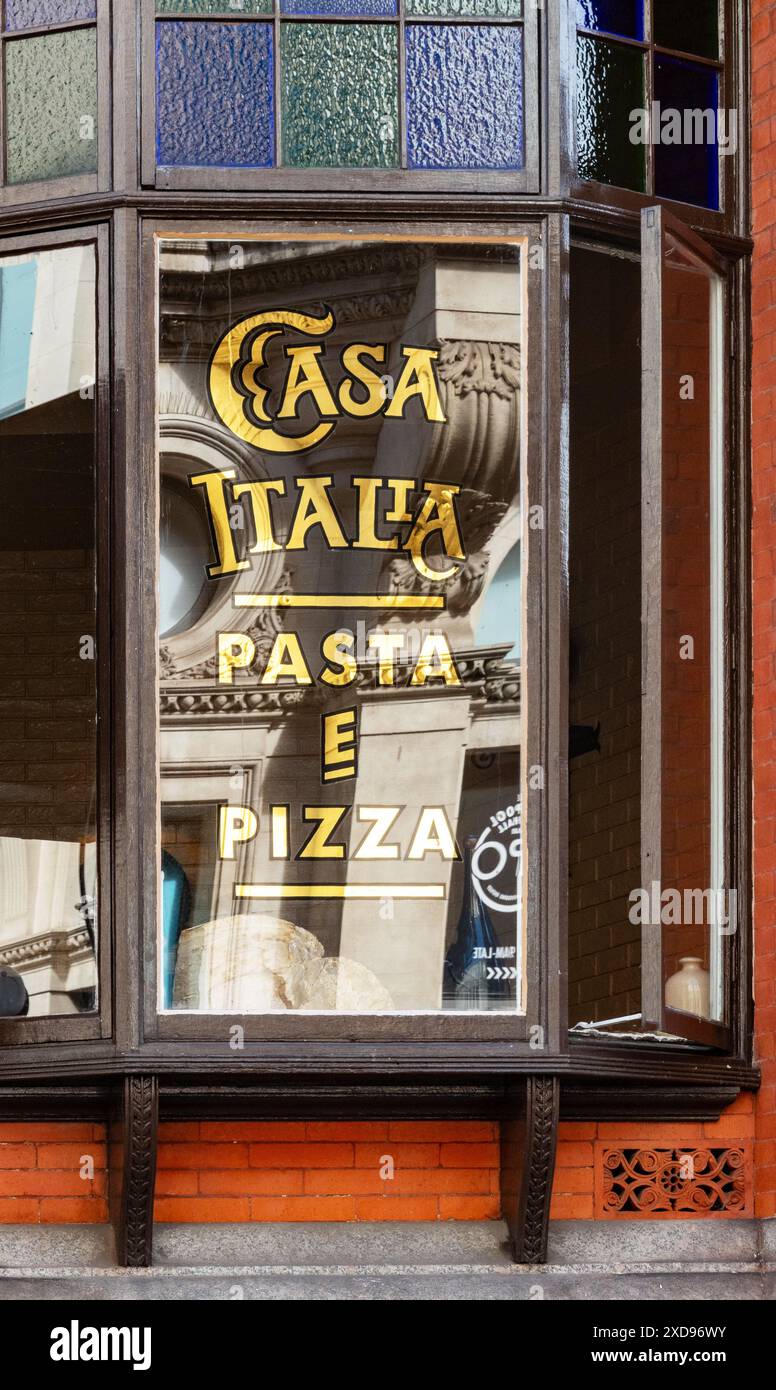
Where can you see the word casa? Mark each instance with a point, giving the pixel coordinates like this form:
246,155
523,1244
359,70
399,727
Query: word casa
241,399
315,514
432,834
287,662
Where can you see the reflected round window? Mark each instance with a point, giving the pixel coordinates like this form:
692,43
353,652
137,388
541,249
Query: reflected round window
184,554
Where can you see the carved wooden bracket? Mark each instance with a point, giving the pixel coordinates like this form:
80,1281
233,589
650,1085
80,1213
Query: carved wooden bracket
528,1142
132,1168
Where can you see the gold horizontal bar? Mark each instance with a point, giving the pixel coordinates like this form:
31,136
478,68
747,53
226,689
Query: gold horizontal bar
339,890
436,601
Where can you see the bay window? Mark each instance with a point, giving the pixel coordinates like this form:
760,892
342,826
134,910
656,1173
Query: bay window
373,572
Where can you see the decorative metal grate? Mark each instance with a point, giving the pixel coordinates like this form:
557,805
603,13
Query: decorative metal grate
665,1182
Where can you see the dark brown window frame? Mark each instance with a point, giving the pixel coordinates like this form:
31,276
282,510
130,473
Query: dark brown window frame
733,85
513,1029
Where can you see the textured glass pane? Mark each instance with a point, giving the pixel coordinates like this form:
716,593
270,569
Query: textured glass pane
24,14
220,7
686,157
613,16
506,9
610,87
51,105
464,97
214,101
340,95
334,7
49,901
692,28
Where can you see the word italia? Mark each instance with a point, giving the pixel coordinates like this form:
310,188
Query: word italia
432,833
380,503
287,662
241,399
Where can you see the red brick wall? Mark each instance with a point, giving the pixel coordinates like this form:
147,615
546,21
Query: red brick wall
327,1171
764,597
44,1176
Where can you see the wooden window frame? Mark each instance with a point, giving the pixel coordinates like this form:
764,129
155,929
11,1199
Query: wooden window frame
733,86
543,430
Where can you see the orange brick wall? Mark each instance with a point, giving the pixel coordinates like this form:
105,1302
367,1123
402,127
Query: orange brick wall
43,1176
764,596
327,1172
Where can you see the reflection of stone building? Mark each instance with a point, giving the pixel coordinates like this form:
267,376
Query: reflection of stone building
254,745
47,579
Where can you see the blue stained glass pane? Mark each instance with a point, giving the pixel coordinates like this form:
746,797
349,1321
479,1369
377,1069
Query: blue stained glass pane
464,96
347,7
686,149
25,14
624,17
214,94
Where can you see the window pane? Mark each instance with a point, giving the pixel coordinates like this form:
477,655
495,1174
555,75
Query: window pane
610,87
215,7
692,587
335,7
504,9
605,640
464,96
200,67
687,158
345,419
690,28
51,105
624,17
48,702
25,14
340,95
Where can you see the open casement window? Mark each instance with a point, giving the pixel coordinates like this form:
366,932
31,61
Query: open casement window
688,910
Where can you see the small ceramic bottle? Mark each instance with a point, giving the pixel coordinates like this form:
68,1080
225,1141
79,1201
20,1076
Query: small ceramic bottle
688,989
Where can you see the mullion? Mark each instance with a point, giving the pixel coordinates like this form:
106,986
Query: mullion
277,85
403,157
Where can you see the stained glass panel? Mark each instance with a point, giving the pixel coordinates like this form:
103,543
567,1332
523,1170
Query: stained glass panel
499,9
691,28
214,86
215,7
26,14
355,8
624,17
51,105
687,158
340,95
610,87
464,96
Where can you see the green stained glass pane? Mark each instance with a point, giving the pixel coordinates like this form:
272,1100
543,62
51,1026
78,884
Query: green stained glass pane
219,7
500,9
340,95
610,89
51,105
